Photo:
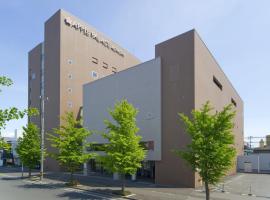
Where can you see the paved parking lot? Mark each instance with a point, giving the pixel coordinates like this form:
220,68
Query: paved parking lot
235,187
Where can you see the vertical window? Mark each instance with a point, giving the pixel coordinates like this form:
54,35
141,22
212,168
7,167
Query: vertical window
218,84
33,76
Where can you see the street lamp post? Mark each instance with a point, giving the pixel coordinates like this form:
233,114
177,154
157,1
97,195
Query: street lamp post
42,137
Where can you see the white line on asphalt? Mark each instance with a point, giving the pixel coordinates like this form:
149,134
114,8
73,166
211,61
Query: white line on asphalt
89,193
5,175
68,189
164,193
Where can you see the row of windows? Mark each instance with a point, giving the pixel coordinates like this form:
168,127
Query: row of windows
96,61
93,74
220,86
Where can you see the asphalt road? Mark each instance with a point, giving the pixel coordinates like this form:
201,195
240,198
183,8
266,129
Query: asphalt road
12,188
237,187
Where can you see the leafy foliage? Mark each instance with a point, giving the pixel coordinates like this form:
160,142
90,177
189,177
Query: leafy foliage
14,113
211,151
124,153
28,147
4,145
70,141
11,113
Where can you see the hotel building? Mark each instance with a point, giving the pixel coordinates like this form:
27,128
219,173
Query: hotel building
78,68
72,54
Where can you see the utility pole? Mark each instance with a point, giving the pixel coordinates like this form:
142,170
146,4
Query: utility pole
42,96
42,139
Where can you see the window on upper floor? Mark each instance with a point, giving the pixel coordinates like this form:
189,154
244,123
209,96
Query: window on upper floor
70,104
218,84
69,90
69,61
94,60
94,74
70,76
33,76
105,65
114,69
233,102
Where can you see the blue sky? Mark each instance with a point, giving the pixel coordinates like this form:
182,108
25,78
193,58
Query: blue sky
236,32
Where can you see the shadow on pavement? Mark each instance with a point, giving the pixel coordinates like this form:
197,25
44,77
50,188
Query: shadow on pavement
13,178
42,186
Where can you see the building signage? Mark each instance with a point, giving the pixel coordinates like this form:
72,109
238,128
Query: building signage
85,31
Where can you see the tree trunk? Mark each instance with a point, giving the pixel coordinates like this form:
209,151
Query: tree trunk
123,183
207,192
30,172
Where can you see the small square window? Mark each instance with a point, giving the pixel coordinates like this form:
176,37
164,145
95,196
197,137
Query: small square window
69,104
69,90
70,76
94,74
70,61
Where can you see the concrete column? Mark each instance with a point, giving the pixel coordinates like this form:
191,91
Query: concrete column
133,177
115,176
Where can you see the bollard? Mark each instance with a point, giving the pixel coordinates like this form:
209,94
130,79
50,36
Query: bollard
250,194
223,188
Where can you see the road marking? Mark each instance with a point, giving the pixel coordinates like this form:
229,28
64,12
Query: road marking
5,175
90,193
170,194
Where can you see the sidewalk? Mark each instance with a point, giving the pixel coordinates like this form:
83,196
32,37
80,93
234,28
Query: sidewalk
236,187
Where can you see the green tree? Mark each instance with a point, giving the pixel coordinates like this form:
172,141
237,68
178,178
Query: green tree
211,151
124,153
28,147
11,113
70,141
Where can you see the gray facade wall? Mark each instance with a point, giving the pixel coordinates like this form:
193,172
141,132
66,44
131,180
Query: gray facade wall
141,86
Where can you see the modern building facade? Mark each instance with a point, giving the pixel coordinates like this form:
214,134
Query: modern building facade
183,76
77,69
72,54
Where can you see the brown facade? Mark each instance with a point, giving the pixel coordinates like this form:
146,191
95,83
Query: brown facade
34,62
74,54
188,73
